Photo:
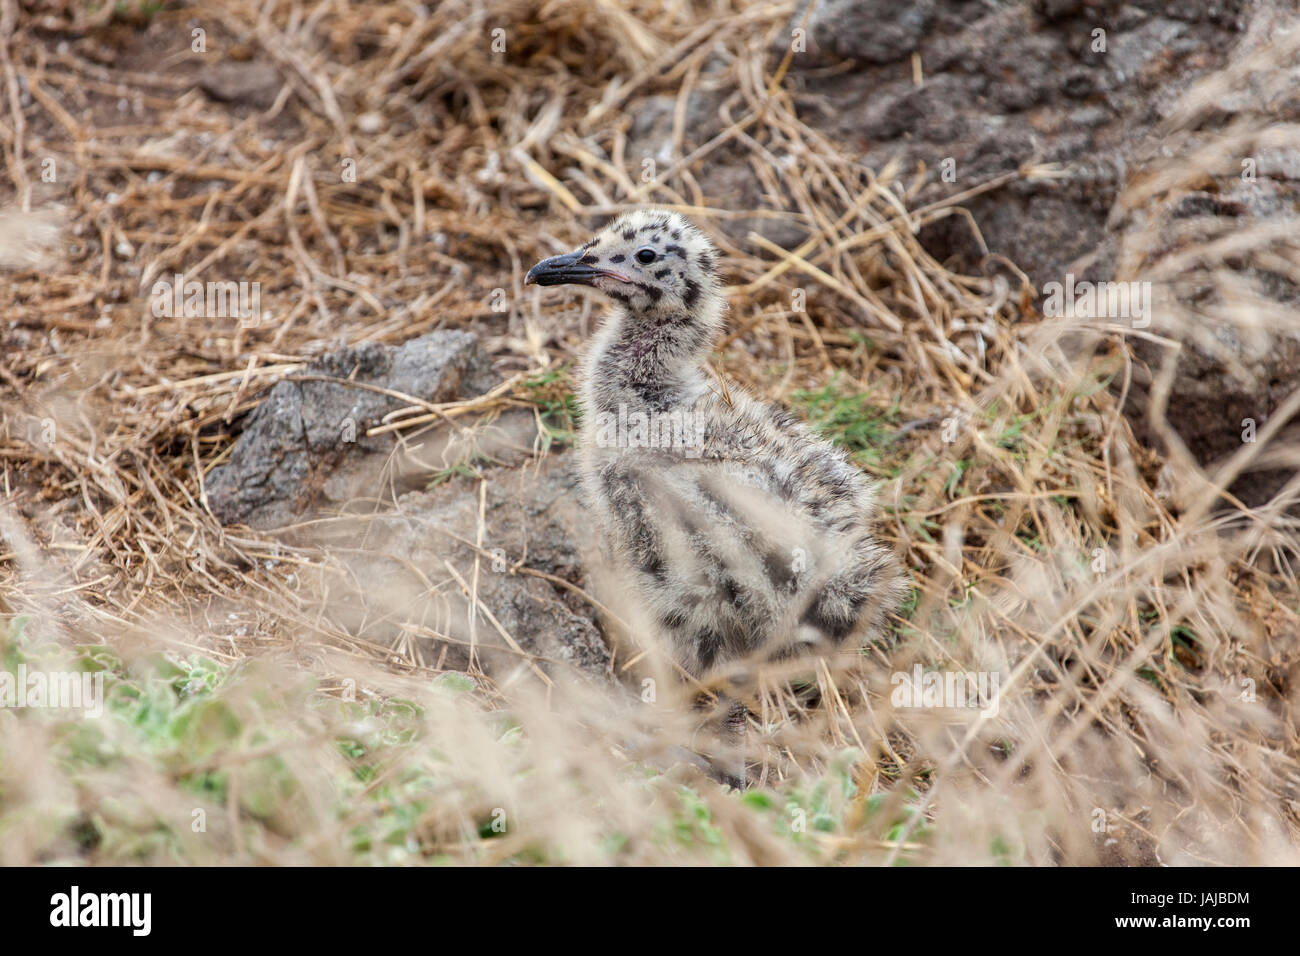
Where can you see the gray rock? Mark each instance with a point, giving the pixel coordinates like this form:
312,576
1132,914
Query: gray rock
533,517
1133,52
404,559
734,186
1009,82
940,103
1226,374
305,447
294,460
1239,361
256,84
1030,79
877,31
650,135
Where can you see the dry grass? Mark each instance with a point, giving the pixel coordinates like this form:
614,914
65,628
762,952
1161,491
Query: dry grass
1125,626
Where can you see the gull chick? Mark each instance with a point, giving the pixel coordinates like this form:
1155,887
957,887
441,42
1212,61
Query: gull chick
738,533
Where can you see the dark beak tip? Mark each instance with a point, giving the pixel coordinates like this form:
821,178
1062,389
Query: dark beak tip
537,274
560,270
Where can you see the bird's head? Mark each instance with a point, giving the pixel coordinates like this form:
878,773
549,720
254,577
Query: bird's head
653,262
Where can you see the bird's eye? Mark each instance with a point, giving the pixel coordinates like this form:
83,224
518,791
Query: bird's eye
646,255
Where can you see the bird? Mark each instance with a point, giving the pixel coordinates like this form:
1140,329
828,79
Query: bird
736,531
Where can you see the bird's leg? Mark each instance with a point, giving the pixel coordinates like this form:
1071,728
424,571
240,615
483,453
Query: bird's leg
726,752
736,732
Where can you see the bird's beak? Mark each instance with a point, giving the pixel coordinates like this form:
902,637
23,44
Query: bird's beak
562,270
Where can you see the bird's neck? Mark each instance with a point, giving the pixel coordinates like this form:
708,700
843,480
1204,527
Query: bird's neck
654,362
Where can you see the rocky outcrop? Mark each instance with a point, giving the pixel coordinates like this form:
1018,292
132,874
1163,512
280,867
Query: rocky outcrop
420,557
1100,89
1074,83
409,551
305,448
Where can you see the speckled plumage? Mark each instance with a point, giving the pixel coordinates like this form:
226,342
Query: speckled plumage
750,536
